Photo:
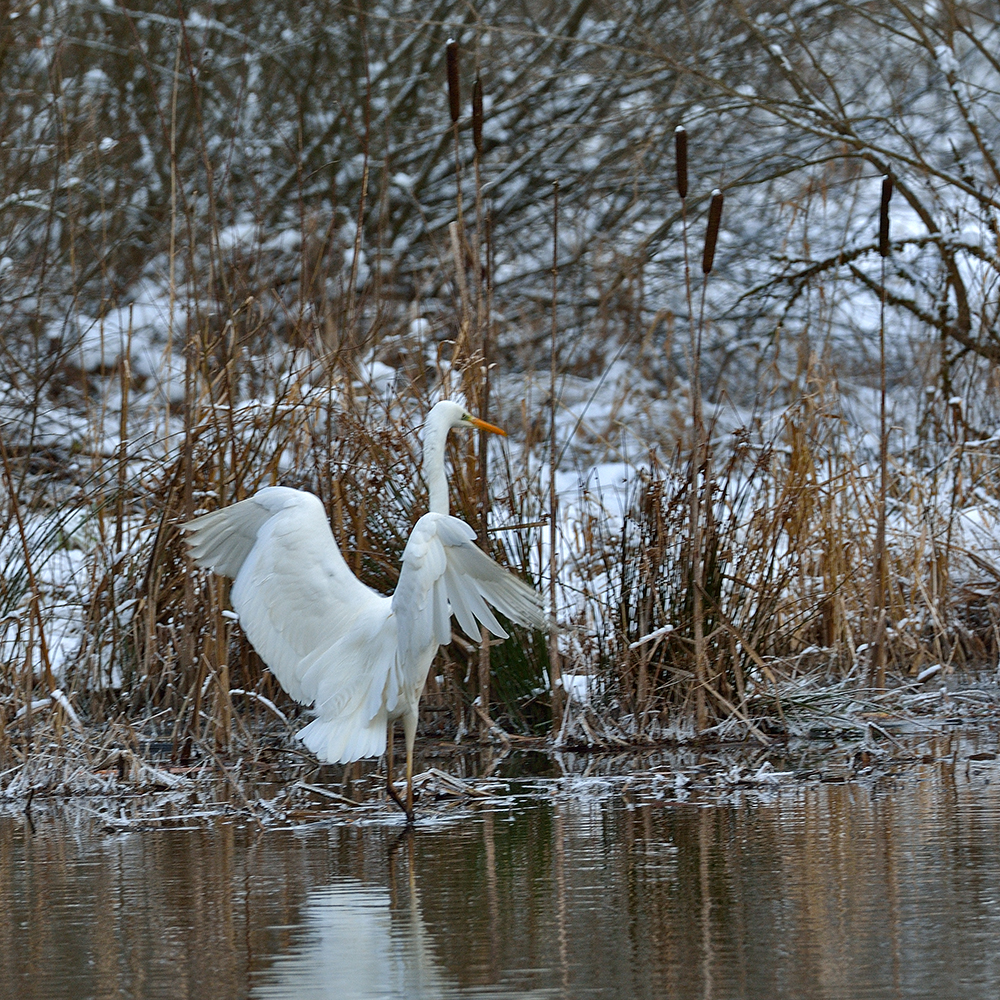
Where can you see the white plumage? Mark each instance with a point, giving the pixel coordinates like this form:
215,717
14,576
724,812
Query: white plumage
361,657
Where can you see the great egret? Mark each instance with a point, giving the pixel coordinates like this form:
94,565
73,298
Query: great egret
328,638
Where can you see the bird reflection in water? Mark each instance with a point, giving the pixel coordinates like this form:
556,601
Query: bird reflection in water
355,944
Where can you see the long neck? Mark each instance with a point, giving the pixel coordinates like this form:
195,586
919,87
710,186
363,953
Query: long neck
435,436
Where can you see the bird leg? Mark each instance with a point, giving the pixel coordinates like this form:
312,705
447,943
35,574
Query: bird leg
394,795
409,733
389,786
409,785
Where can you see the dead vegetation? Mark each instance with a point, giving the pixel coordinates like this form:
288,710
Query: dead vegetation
191,312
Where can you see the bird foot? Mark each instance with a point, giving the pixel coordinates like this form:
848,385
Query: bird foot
394,795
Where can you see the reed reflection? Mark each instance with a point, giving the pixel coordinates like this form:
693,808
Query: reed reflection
835,890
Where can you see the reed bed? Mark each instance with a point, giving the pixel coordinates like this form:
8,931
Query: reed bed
761,558
107,625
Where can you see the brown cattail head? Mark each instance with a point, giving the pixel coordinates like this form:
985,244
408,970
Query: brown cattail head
883,217
712,234
477,116
454,95
681,156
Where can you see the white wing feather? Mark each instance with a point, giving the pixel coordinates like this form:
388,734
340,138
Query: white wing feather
444,572
327,637
222,540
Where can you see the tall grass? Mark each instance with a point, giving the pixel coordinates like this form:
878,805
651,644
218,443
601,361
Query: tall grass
787,536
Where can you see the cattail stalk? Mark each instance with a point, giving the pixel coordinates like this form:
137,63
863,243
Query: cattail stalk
681,158
883,217
454,91
477,116
880,584
700,461
483,310
555,669
482,276
455,109
352,287
697,434
712,233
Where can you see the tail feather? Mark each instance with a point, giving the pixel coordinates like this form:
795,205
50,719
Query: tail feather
339,741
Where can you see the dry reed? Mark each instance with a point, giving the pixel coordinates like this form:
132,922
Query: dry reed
740,569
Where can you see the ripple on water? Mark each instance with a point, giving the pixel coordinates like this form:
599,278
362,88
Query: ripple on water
884,885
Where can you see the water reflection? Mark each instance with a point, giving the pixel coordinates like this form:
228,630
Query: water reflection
351,946
886,888
356,941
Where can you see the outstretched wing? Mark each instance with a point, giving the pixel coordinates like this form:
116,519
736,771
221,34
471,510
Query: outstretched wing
444,572
222,540
326,636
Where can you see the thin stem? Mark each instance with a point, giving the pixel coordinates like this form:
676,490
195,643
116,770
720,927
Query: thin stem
36,597
701,716
555,670
880,588
483,319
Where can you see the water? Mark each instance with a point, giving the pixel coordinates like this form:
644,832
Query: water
888,886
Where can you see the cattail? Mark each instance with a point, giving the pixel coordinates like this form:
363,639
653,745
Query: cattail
681,156
883,217
477,116
454,96
712,234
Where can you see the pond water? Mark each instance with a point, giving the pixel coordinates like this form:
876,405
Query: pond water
886,885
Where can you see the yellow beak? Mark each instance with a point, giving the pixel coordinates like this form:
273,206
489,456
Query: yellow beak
484,426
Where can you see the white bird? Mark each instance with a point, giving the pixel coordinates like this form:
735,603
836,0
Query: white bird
361,657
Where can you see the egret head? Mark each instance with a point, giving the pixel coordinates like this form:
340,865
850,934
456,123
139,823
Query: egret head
442,418
448,414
